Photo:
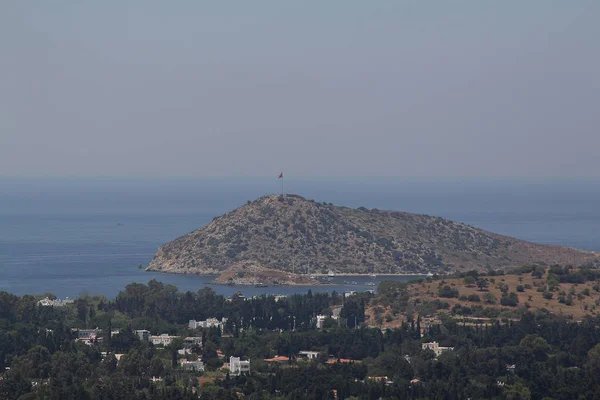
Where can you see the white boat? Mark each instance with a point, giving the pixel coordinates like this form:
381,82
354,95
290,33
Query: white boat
373,276
429,274
330,273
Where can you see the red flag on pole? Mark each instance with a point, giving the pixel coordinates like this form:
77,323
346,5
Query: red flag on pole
280,175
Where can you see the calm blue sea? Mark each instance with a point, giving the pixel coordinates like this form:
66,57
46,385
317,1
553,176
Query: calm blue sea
79,236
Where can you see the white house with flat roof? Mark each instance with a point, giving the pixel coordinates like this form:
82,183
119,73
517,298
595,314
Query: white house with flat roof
162,340
310,355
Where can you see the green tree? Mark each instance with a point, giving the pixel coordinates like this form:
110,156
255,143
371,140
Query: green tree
538,345
482,283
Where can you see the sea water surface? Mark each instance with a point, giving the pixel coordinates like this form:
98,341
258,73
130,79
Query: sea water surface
74,236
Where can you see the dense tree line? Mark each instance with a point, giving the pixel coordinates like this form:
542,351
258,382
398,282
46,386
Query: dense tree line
538,356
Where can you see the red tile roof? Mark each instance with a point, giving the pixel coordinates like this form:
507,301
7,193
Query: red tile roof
277,359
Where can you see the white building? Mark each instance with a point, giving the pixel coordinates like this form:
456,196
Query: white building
208,323
87,333
193,341
162,340
55,303
310,355
197,365
436,348
321,321
184,352
237,366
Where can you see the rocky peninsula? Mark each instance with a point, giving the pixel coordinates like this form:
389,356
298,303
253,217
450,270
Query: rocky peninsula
303,237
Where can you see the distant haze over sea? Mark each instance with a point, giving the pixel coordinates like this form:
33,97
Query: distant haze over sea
70,236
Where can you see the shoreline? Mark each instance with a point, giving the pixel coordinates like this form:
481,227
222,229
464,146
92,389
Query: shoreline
319,283
266,285
369,275
317,275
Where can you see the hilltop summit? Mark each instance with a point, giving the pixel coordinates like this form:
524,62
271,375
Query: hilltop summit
307,237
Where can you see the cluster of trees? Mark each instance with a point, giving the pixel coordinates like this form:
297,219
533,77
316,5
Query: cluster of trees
539,356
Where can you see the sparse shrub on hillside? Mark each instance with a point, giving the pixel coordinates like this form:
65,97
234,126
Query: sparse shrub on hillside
503,288
447,291
537,274
489,298
548,295
553,282
511,300
567,300
474,298
469,280
520,288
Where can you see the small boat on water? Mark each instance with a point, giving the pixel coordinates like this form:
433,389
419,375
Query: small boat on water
373,276
331,274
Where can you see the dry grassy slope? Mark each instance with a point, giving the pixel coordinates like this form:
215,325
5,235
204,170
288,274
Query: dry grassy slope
316,237
428,291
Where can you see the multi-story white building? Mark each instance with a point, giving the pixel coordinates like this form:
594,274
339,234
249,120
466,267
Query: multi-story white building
436,348
321,321
237,366
208,323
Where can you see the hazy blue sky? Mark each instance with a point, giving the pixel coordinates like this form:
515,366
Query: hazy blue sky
400,88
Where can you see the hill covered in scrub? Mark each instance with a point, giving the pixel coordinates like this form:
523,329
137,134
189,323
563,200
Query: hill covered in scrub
306,237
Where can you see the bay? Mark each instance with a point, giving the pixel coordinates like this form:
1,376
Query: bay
74,236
